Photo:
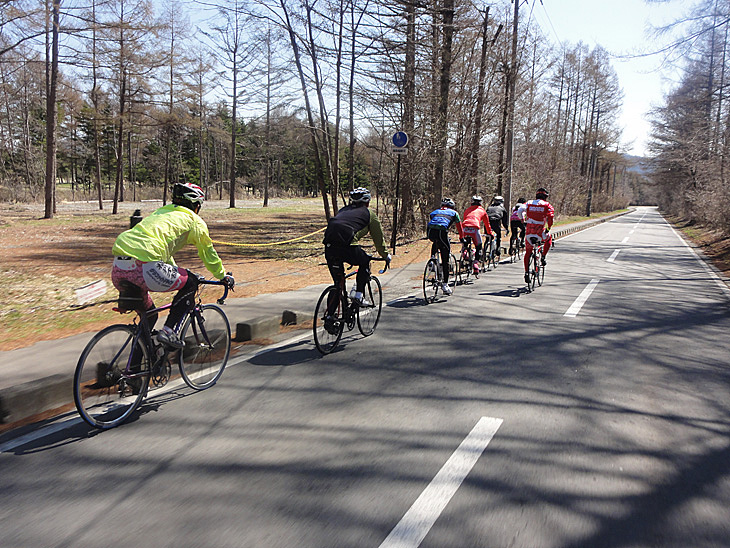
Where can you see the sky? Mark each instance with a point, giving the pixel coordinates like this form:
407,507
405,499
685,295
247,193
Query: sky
621,27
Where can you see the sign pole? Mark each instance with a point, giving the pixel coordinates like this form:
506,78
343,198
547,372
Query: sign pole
400,141
395,207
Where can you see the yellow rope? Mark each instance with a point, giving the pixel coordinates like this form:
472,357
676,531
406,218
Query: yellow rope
270,243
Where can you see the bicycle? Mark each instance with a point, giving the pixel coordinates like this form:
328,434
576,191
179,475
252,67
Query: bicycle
466,261
335,310
490,252
536,270
433,277
515,248
123,362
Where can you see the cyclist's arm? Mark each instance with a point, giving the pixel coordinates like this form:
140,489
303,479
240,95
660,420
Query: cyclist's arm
459,225
376,233
487,225
550,216
201,239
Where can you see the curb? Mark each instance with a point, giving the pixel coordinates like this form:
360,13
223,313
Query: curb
21,402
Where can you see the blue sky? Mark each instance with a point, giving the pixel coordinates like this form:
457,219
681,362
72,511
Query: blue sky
620,26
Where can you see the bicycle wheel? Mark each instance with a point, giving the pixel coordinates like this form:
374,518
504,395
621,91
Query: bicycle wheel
104,394
454,274
494,258
465,266
540,271
327,328
369,315
534,269
431,281
207,337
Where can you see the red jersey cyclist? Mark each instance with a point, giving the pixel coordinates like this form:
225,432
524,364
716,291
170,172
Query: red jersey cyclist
474,216
538,215
143,259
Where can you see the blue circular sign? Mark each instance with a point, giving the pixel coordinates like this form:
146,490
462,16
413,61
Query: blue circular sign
400,139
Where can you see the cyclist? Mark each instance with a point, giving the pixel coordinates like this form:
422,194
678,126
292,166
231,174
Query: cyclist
474,216
342,236
539,215
143,259
437,230
517,226
498,215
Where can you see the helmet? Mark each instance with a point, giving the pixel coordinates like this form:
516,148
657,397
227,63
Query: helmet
476,200
448,202
498,200
360,195
188,195
520,200
542,194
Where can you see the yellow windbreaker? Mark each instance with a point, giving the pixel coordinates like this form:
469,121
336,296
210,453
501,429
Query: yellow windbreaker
160,235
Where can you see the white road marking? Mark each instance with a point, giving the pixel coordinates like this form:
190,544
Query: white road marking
581,300
626,239
613,256
418,520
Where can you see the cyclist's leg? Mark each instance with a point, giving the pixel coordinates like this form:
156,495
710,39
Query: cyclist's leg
497,231
336,266
522,234
445,248
134,294
160,276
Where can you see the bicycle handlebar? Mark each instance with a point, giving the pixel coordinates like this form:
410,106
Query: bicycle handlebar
222,299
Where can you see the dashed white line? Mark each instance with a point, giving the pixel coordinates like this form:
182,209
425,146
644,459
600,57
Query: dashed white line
418,520
613,256
572,312
626,239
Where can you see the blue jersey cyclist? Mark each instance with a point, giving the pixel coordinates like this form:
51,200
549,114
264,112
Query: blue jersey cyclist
342,237
440,221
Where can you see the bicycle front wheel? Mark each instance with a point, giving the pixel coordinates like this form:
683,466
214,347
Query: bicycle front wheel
106,391
207,336
431,281
328,322
368,314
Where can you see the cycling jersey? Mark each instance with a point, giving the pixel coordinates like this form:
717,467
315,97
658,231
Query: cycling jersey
537,214
443,219
476,215
160,235
352,223
516,216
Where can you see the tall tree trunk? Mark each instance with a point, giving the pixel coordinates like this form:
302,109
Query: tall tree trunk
444,86
51,116
407,215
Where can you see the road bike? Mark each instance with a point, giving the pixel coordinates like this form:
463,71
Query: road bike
466,261
433,277
491,258
122,364
336,310
536,271
515,248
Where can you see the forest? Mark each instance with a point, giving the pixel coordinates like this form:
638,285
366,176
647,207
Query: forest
113,100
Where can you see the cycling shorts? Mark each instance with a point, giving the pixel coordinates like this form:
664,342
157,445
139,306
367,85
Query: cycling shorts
473,231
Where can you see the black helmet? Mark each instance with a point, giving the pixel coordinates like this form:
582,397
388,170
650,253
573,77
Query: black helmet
476,200
542,194
520,200
188,195
448,202
360,195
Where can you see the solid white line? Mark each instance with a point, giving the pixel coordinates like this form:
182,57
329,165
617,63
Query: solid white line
581,300
613,256
418,520
717,279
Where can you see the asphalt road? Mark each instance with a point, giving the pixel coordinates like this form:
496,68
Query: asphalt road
489,419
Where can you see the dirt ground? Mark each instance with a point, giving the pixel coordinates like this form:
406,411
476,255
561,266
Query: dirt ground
42,262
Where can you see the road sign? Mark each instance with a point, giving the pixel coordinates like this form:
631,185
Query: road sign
396,150
400,139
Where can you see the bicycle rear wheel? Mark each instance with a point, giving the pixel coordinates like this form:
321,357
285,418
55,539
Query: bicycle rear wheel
207,338
540,271
369,315
105,396
327,328
454,273
431,281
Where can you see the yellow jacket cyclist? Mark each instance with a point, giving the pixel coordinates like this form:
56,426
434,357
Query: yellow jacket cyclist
143,258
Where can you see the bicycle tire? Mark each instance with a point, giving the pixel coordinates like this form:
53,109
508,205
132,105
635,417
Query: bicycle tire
369,316
104,396
534,270
207,347
540,273
327,334
431,281
454,274
465,266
